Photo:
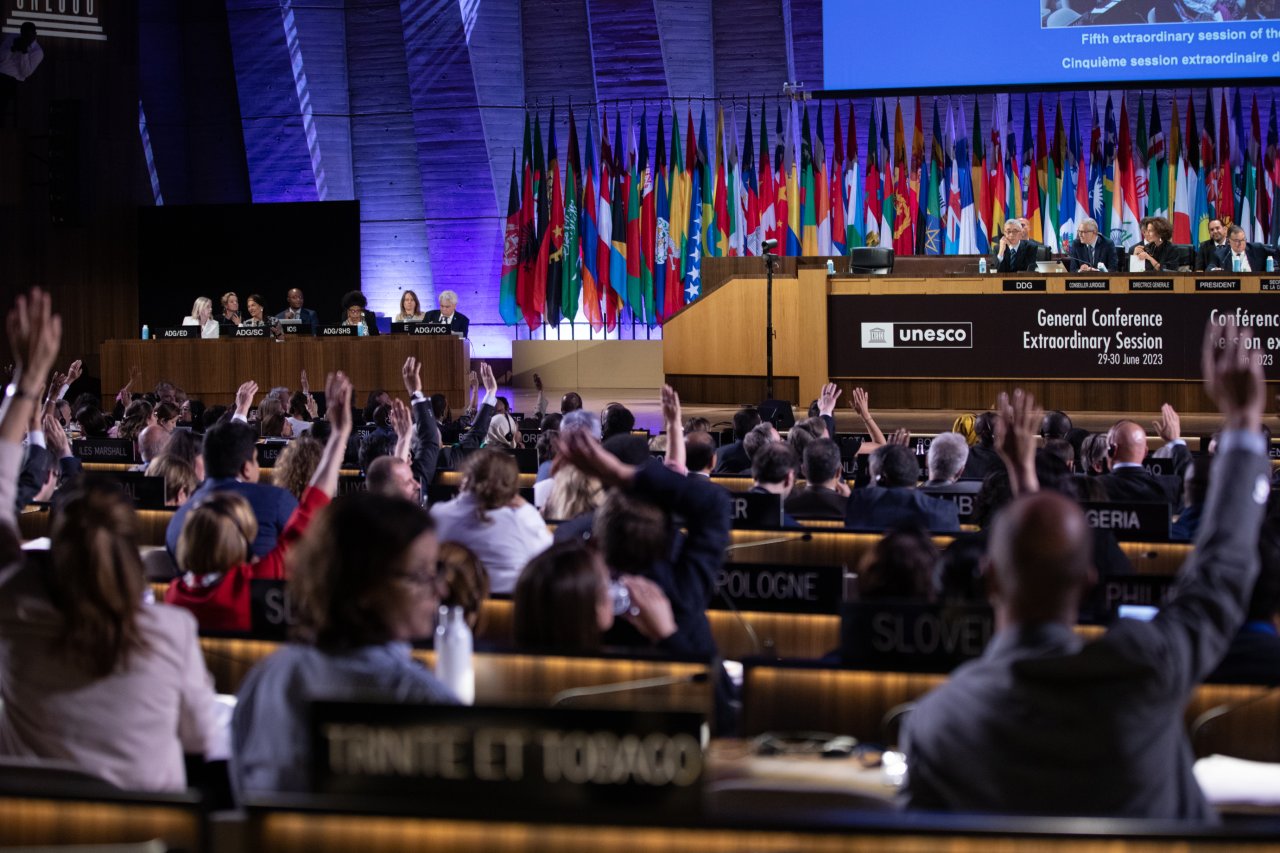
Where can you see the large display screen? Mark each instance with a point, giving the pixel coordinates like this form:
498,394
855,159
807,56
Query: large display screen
877,45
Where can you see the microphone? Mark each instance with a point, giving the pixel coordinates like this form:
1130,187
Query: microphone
566,696
777,540
757,646
767,246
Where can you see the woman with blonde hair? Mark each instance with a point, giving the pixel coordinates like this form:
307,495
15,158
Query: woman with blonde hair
573,493
230,308
215,551
296,464
202,316
489,517
410,309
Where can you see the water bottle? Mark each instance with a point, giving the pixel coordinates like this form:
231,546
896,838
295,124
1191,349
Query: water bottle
454,646
1271,264
982,265
1235,264
146,332
362,330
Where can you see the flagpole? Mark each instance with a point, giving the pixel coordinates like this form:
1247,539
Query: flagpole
769,258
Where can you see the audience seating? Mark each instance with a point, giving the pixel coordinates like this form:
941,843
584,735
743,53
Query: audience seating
44,812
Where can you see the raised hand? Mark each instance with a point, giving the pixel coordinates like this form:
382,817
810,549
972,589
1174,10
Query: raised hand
671,408
1017,431
135,373
35,333
74,371
55,437
1233,375
401,420
860,402
901,436
651,611
411,373
583,451
337,391
1168,425
827,399
244,397
537,382
486,376
304,384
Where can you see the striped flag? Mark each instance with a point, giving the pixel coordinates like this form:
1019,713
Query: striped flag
655,296
618,232
572,278
821,189
604,231
973,239
839,234
590,240
768,197
678,228
855,221
511,252
751,190
808,192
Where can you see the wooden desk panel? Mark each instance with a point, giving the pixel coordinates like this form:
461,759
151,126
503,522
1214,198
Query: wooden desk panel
212,370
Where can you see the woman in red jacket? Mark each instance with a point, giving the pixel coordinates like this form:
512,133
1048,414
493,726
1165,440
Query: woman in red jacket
214,551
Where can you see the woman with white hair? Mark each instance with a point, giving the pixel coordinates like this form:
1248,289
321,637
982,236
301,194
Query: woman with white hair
202,316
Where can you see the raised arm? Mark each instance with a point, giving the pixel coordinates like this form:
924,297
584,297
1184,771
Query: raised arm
338,392
1017,426
402,424
35,333
675,430
480,426
861,404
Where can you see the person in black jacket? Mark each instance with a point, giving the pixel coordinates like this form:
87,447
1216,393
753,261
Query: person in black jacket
732,458
1160,255
1014,253
1128,480
429,453
355,311
1239,255
448,314
1207,252
1090,251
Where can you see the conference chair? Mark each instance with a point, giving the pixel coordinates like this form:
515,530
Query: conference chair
870,260
1186,256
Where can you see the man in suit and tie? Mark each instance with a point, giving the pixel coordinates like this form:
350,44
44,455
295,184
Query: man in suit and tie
1015,254
1207,252
448,314
894,498
1128,480
1239,255
1090,251
295,311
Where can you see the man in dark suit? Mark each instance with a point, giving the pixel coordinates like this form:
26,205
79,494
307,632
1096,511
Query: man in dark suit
982,458
894,498
732,458
825,494
1128,480
1015,254
1207,252
1090,251
231,465
1239,255
448,314
296,313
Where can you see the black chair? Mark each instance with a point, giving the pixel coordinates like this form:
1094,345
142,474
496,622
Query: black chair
1043,253
1186,256
870,260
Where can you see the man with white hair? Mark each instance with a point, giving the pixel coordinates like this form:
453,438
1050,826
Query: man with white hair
448,314
948,454
1090,251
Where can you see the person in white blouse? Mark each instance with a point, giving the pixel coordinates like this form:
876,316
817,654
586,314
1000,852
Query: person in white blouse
202,316
490,518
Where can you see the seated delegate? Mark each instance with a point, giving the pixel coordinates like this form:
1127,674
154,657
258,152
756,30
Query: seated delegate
202,316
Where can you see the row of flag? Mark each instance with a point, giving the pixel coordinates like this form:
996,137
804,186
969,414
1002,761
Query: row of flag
622,235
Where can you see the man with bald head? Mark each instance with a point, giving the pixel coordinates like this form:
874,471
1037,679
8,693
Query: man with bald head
1044,724
1128,480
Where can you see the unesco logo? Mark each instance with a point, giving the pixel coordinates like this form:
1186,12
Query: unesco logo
917,335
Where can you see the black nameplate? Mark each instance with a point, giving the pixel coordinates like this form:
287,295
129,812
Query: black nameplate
103,450
1145,590
1159,466
296,327
910,637
271,612
1144,522
1269,285
338,331
420,329
756,510
250,332
1148,284
856,468
351,484
269,452
1217,284
147,492
1025,285
174,333
775,588
527,759
965,501
1085,284
530,437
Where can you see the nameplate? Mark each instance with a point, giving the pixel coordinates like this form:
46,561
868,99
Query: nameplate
1216,284
174,333
338,331
147,492
250,332
1147,284
910,637
1144,590
530,437
296,327
756,510
351,484
269,452
856,468
1161,467
103,449
1145,522
965,502
271,611
515,759
420,329
1088,284
1025,285
775,588
1269,285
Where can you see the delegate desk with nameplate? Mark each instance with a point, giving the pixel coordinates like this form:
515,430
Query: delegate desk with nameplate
212,370
1123,342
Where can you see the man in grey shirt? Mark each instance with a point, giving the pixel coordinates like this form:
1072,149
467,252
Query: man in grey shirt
1044,724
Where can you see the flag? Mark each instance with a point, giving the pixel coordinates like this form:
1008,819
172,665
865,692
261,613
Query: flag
528,232
793,177
1249,178
1049,209
751,191
693,245
1126,192
604,230
855,215
822,189
678,219
808,193
1097,175
871,188
1173,155
954,209
618,230
1031,210
1200,211
917,183
708,195
553,236
720,226
572,220
999,194
648,225
737,201
902,222
973,237
1081,173
978,184
1140,158
780,212
511,252
633,298
1110,209
768,197
655,295
1237,151
1182,204
1273,173
930,180
542,193
839,232
589,238
1157,179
